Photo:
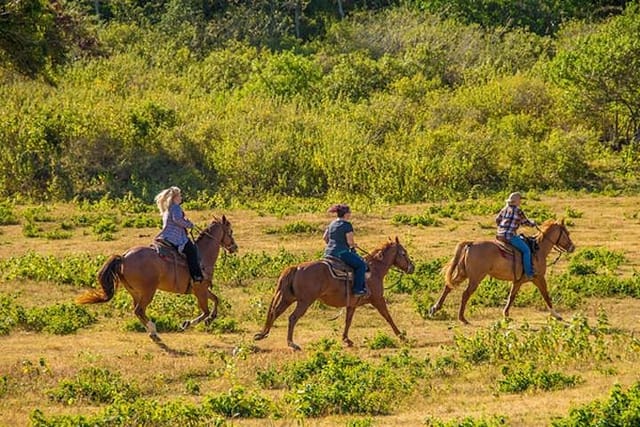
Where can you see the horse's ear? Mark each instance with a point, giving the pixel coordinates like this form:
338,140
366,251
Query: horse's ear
562,221
397,241
224,219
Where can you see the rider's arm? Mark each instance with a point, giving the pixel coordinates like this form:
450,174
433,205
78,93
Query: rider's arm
350,241
325,236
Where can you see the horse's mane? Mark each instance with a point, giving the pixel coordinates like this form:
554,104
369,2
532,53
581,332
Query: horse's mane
378,253
546,226
216,221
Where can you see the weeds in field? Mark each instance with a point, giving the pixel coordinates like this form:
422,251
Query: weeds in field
529,377
381,340
621,409
7,215
239,403
94,385
296,227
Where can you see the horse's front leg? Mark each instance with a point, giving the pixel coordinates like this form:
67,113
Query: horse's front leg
541,284
347,324
214,311
201,294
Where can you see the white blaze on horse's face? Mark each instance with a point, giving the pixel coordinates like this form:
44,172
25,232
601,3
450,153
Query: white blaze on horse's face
402,260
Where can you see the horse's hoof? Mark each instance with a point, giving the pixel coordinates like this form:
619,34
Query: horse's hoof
464,321
432,311
185,325
347,342
294,346
260,336
209,320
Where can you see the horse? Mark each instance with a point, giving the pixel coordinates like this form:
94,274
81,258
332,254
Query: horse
143,271
306,282
475,260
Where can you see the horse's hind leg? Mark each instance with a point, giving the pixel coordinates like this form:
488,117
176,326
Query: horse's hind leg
471,288
299,311
140,307
347,324
438,305
515,287
278,306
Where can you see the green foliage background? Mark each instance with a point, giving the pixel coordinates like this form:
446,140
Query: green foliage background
401,101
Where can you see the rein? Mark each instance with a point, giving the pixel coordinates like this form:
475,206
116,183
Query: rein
555,246
392,267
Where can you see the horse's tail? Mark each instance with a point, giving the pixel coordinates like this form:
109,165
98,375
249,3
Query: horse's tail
108,277
454,271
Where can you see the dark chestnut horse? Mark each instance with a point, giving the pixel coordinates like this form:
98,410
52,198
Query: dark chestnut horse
304,283
475,260
142,272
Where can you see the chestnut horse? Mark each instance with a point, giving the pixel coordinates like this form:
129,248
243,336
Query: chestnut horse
143,271
475,260
304,283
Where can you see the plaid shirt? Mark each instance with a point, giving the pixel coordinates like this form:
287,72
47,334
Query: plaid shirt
509,219
174,226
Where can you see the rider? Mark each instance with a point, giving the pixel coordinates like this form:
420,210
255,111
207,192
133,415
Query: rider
340,244
508,220
174,228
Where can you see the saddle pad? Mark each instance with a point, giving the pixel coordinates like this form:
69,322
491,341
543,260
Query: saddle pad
338,268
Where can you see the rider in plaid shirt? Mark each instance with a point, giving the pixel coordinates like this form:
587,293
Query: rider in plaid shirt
508,220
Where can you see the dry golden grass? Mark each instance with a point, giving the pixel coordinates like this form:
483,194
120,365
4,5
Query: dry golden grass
160,370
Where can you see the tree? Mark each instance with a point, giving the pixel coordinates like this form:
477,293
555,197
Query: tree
600,75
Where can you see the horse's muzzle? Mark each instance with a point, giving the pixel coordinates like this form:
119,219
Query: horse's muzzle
410,268
232,248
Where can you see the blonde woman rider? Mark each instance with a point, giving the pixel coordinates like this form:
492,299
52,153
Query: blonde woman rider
174,228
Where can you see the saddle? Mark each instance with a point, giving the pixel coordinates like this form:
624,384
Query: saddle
508,250
341,270
168,252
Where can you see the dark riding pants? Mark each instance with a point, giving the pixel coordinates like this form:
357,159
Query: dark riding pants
191,251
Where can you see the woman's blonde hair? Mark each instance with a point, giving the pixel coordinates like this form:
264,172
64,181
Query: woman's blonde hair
165,197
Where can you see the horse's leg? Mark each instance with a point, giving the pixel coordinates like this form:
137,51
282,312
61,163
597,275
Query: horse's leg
140,307
347,324
275,310
381,305
298,312
515,287
214,311
541,284
438,305
201,294
471,288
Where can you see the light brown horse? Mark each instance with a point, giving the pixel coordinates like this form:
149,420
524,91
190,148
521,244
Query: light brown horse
475,260
304,283
142,272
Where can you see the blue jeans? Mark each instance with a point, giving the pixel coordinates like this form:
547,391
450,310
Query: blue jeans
522,246
356,262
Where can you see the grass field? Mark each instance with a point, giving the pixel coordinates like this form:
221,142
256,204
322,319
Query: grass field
187,367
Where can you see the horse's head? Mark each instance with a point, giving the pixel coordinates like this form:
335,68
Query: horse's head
220,230
557,232
227,236
402,260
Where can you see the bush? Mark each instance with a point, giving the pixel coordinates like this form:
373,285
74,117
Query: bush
95,386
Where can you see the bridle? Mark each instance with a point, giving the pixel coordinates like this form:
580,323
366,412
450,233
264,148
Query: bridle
206,232
556,246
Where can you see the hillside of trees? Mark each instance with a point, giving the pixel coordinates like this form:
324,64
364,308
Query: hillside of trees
395,101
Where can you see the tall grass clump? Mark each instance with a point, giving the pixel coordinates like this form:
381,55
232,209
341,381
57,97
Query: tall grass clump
94,385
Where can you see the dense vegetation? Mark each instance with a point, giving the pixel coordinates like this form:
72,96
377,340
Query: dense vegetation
388,100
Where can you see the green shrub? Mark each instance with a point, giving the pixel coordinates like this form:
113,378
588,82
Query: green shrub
424,220
529,377
7,216
237,402
95,386
78,270
11,314
380,341
297,227
59,319
621,409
